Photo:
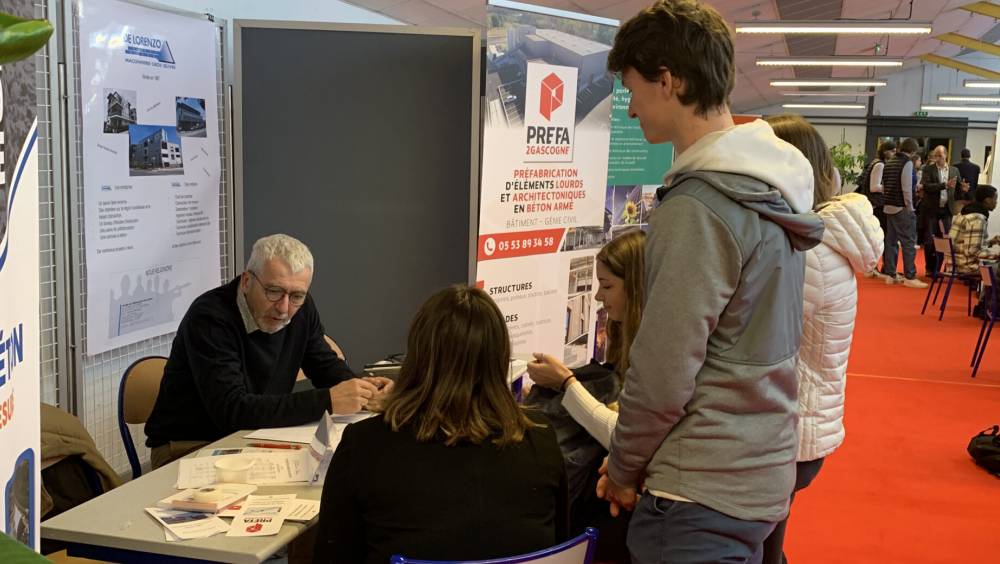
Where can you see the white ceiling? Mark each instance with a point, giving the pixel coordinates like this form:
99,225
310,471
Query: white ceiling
752,88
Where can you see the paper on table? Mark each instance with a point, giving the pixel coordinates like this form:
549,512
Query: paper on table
237,508
301,434
302,510
260,516
230,451
268,468
187,524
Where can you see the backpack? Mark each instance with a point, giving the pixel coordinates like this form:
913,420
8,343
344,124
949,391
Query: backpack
985,449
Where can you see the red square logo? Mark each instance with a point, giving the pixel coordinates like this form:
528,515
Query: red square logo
552,95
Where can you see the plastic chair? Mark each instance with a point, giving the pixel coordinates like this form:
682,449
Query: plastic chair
992,312
946,269
136,396
579,550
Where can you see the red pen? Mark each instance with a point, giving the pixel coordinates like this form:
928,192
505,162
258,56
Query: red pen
275,445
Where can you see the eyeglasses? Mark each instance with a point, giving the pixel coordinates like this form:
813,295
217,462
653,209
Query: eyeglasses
274,293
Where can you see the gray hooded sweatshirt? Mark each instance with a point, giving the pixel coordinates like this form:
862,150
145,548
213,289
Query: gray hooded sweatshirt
708,412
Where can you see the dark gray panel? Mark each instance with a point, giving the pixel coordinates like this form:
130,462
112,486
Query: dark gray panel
359,144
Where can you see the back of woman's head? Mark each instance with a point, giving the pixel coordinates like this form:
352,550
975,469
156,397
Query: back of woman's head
453,383
800,133
884,148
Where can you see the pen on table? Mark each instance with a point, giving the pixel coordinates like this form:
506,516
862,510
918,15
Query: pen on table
275,445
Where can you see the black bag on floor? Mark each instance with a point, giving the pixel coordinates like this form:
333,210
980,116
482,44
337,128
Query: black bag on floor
985,449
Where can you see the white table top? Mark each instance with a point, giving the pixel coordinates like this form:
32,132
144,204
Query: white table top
118,519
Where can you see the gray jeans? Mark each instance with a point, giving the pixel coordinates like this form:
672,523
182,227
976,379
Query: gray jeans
676,532
901,229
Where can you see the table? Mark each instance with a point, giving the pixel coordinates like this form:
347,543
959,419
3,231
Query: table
116,527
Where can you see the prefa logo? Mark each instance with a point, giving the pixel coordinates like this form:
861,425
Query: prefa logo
551,96
550,120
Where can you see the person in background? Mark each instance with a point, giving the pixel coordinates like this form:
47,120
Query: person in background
938,182
586,410
453,469
871,185
900,233
852,242
706,421
238,350
969,173
969,231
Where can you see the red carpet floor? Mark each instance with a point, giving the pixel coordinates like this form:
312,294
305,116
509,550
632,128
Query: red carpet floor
902,489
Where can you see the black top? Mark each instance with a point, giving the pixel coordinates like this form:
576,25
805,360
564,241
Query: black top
219,379
386,493
969,171
892,183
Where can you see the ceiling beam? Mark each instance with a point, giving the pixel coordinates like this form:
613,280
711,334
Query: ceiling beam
970,43
958,65
985,8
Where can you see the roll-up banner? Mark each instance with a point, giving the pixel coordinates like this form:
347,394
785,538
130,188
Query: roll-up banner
546,135
19,330
151,168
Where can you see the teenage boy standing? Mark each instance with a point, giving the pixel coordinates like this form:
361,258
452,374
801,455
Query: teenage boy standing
707,416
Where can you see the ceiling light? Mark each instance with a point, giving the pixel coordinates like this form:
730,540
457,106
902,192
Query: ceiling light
967,98
830,62
826,106
831,94
876,27
986,109
981,84
829,82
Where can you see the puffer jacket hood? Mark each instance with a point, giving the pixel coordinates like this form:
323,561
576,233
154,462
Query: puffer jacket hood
852,230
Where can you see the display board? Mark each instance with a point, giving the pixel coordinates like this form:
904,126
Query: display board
546,140
362,141
19,321
151,168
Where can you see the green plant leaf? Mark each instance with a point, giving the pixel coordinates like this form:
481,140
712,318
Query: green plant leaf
19,39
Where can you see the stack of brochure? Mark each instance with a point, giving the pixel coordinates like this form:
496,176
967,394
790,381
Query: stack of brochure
254,516
325,441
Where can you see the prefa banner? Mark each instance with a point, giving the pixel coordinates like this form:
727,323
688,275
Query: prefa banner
151,168
20,428
545,155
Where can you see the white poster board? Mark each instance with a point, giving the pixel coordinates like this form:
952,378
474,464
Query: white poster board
20,428
151,168
545,166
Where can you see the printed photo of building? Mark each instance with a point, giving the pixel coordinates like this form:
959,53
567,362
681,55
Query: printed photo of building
120,110
154,150
190,116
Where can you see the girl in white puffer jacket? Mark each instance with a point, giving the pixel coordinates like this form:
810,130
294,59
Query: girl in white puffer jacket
852,243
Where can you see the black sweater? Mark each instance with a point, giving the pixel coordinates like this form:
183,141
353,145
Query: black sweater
219,379
386,493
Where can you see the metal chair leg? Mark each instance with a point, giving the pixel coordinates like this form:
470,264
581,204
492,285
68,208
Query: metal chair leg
982,348
944,300
979,342
934,280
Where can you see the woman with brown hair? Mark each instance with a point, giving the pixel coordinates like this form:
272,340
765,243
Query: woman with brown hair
852,243
582,403
453,469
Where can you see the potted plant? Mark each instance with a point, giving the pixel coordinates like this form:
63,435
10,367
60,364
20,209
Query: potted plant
849,164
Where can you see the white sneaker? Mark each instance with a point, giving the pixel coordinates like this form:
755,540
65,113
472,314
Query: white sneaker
914,283
888,279
871,274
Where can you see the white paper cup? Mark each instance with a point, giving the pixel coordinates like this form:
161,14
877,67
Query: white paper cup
233,469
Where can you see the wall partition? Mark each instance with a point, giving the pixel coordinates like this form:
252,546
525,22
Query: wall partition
363,142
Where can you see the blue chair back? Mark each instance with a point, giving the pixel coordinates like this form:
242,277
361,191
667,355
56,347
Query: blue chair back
136,396
579,550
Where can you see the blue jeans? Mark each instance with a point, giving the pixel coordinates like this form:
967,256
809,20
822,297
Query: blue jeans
663,531
901,229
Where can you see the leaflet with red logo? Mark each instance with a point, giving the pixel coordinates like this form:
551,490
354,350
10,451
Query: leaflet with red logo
261,516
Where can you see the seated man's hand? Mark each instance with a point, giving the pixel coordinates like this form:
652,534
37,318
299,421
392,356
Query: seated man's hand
546,371
619,497
351,396
384,386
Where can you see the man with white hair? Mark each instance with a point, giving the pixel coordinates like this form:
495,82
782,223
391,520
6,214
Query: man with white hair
237,353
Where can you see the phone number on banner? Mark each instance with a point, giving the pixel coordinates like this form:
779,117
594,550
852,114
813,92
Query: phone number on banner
525,243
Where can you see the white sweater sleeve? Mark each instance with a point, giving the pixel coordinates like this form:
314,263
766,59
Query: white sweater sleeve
875,182
593,415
